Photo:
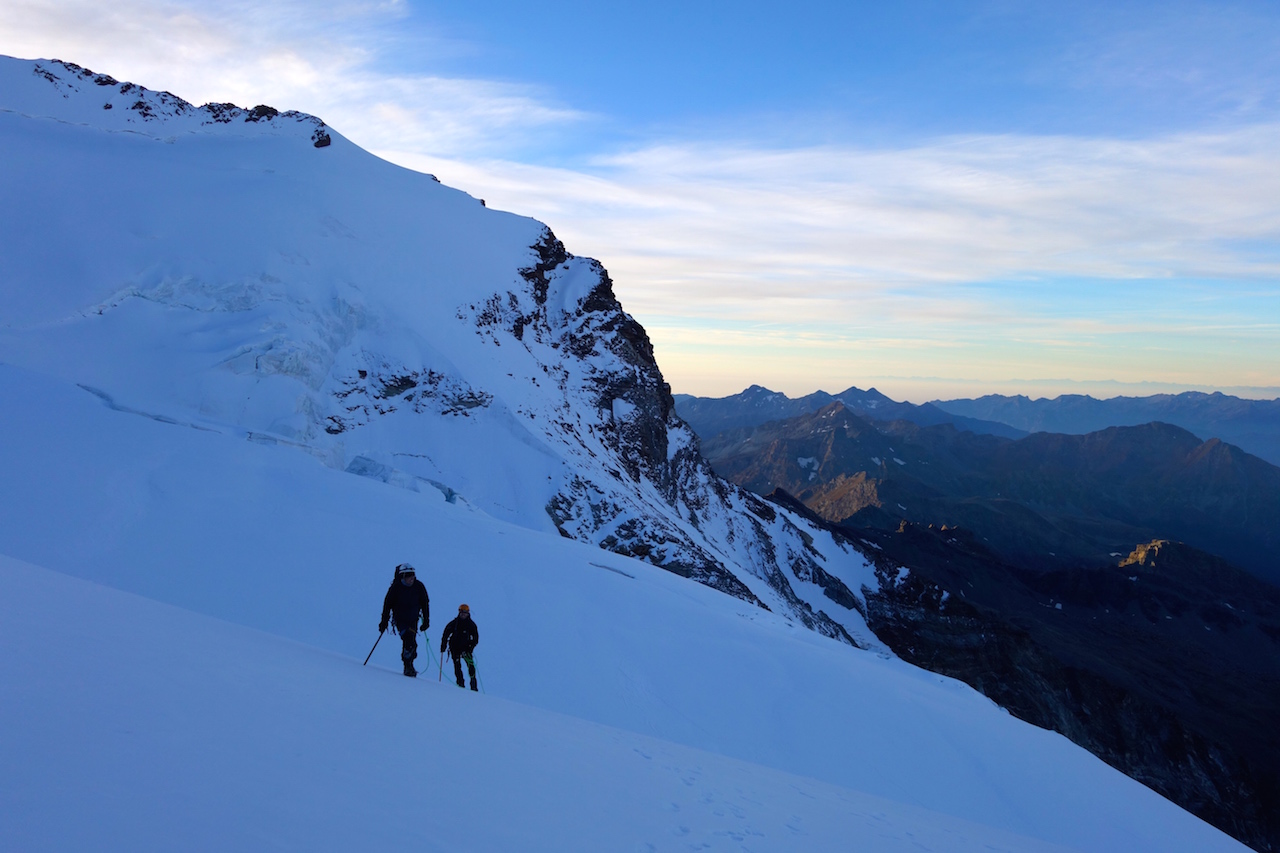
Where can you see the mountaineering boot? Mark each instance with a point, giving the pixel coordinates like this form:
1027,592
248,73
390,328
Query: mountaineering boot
473,685
409,670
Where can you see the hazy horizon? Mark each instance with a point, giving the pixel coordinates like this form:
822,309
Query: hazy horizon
914,389
936,199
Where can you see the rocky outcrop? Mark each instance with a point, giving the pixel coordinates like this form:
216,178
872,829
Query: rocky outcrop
385,387
660,501
145,111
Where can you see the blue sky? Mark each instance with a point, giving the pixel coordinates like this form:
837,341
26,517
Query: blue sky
939,199
874,71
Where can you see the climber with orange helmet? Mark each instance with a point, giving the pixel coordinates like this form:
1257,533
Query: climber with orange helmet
460,637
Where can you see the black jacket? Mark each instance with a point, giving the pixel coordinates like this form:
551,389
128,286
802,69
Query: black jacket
461,636
404,603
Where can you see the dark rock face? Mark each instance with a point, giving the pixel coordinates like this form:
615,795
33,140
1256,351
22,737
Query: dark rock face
386,387
659,500
260,112
551,253
599,326
1119,666
223,113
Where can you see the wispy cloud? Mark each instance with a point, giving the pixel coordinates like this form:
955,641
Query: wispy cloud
1015,255
736,226
1223,58
320,57
992,256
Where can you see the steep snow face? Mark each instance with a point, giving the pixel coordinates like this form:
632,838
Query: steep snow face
214,265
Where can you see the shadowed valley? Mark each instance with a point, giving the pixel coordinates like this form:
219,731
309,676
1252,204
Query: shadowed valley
1115,586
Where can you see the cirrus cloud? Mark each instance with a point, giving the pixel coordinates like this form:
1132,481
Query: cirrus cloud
326,58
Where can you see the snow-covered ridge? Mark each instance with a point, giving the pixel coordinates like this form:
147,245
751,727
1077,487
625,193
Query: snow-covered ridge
390,326
99,100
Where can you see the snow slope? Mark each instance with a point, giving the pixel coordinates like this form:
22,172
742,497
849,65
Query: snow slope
208,350
230,525
176,732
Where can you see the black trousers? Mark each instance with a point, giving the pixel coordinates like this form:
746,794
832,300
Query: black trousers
457,670
410,650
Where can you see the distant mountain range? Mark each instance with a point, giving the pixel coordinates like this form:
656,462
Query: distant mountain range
757,405
1043,501
1252,425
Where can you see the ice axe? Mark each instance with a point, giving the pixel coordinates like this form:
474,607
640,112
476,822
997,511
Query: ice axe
375,645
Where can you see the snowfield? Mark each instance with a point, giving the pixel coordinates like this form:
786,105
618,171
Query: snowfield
179,732
241,377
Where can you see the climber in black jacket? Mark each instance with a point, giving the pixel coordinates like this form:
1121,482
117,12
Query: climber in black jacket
461,636
406,598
